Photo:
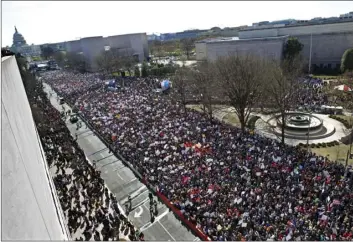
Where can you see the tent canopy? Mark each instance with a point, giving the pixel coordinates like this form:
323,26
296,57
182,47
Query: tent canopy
343,87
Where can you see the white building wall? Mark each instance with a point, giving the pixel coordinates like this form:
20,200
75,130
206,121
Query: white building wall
119,41
91,48
201,51
29,204
261,48
259,33
137,42
326,48
316,29
30,50
297,30
137,45
73,46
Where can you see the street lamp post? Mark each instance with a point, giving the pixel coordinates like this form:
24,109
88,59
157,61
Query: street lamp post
307,141
349,152
311,44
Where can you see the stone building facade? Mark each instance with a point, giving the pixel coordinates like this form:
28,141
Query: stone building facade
91,47
271,47
328,41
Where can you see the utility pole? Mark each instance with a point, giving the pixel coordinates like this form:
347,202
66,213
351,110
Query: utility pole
307,141
311,48
349,152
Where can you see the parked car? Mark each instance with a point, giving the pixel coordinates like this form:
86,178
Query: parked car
61,101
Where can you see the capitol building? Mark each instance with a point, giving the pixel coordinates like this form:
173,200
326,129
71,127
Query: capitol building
20,45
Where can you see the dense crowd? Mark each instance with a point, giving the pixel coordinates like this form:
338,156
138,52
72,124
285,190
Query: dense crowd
231,185
312,96
91,211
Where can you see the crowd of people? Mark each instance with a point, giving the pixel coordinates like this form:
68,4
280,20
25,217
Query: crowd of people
91,210
231,185
312,96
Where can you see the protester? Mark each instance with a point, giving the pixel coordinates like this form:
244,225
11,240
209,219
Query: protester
311,96
231,185
91,211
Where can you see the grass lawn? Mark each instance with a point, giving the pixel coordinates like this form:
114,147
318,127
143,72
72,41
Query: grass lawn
348,118
199,107
334,153
231,118
195,107
126,73
326,76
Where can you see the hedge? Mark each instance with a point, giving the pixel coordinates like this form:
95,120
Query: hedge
252,122
345,122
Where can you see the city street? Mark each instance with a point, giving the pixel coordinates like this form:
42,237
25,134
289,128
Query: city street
122,182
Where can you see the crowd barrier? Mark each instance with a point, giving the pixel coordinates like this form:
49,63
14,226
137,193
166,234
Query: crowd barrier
160,196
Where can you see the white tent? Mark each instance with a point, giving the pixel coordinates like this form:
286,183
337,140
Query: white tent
343,88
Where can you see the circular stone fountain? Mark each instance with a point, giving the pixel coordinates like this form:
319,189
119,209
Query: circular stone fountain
298,125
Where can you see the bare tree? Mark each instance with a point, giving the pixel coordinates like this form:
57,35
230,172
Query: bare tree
241,80
59,57
283,87
158,48
77,62
128,62
204,85
180,83
105,62
187,45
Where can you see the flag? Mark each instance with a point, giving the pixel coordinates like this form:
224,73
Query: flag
185,179
336,202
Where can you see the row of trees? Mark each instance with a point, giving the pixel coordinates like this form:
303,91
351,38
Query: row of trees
172,48
113,60
244,82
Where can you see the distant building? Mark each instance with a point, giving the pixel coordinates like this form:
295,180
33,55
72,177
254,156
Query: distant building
18,39
329,40
129,44
20,45
55,46
182,35
30,50
212,49
347,15
153,37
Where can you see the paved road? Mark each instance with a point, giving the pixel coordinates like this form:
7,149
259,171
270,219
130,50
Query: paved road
122,182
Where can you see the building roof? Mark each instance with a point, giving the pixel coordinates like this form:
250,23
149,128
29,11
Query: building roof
298,24
233,39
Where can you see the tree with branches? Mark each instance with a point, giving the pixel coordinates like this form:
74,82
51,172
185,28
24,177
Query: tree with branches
76,61
105,62
205,86
59,57
137,71
292,48
283,86
241,79
187,45
47,52
144,69
180,85
347,61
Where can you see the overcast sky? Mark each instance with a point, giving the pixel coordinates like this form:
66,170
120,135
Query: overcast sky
48,22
